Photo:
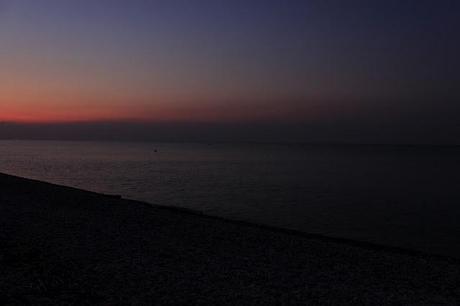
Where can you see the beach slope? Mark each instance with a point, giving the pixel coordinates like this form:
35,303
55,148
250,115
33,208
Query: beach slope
60,245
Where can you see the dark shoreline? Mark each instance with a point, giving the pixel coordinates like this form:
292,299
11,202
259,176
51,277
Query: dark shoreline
340,240
44,226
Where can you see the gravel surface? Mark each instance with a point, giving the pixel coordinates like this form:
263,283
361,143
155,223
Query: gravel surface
60,245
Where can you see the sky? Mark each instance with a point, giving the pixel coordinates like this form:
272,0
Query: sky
298,70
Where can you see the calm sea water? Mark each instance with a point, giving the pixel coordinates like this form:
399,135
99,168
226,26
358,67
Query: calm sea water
401,196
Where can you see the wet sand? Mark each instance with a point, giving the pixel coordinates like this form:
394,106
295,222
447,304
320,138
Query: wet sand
60,245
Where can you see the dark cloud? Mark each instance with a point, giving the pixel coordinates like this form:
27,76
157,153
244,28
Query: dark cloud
426,126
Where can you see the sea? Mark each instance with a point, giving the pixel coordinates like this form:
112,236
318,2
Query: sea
402,196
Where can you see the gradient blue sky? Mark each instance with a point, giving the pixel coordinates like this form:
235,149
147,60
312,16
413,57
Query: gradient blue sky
228,61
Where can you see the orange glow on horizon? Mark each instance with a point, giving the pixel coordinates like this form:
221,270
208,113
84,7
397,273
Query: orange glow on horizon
66,108
224,113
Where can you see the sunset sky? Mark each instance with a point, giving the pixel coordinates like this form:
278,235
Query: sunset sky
318,63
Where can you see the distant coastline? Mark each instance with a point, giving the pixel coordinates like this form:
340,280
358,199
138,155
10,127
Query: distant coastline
258,143
301,133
